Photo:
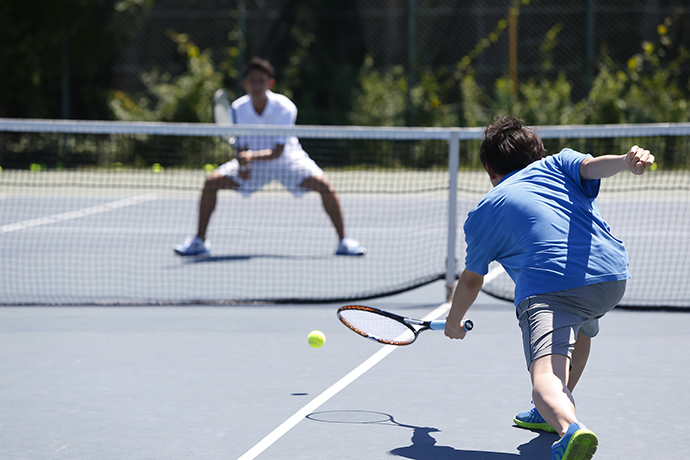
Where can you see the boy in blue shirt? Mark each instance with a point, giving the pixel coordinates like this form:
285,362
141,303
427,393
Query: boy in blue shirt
541,222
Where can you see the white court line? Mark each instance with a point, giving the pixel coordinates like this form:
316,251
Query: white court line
315,403
78,213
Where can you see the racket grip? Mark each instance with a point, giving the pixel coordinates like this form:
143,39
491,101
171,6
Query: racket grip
438,325
441,324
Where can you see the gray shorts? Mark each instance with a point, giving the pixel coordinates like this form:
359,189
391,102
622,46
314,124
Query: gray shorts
550,322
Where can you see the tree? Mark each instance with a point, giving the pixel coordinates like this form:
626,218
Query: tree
43,42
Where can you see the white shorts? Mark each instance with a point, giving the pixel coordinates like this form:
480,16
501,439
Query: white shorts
290,172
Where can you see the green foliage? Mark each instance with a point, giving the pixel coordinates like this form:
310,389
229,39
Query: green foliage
183,98
318,54
648,90
380,99
645,90
539,103
426,99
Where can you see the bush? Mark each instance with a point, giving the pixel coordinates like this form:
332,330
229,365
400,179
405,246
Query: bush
184,98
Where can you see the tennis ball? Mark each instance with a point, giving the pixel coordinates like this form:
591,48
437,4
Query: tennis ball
316,339
156,168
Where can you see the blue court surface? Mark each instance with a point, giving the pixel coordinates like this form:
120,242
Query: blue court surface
237,382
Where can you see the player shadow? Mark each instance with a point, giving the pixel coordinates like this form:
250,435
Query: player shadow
190,261
245,257
424,446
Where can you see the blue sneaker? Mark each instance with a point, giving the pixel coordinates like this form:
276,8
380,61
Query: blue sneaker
532,420
193,246
350,247
578,443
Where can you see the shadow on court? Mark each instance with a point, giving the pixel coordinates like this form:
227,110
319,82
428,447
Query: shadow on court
244,257
424,446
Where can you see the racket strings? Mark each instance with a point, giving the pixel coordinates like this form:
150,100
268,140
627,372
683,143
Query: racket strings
381,328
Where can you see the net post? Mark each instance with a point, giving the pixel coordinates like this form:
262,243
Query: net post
453,164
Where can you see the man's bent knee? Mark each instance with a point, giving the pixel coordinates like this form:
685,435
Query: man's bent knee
318,184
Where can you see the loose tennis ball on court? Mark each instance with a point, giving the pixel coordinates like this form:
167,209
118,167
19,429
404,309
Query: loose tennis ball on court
316,339
156,168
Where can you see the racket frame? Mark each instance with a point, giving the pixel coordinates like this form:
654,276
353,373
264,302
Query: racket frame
221,113
406,321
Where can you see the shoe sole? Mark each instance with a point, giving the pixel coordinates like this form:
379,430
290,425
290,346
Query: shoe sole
186,254
582,446
534,426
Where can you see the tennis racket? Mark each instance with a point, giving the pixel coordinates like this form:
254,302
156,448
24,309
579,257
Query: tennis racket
386,327
221,112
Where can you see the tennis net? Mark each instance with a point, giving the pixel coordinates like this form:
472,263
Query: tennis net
90,213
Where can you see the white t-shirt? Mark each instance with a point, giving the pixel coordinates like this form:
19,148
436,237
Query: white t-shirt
279,110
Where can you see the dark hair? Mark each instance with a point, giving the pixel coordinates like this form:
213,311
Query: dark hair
256,63
509,146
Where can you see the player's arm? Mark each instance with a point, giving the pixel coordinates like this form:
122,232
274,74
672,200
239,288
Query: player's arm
637,160
466,291
246,156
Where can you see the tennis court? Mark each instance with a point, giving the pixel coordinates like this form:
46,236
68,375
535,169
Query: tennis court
213,382
113,347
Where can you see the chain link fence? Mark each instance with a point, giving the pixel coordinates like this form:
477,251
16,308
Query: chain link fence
328,52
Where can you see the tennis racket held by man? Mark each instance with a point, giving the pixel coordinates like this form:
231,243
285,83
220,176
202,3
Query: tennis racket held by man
221,113
388,328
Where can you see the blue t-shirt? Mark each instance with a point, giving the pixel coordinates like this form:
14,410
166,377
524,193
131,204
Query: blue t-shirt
543,225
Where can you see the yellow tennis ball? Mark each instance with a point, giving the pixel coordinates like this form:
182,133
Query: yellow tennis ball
316,339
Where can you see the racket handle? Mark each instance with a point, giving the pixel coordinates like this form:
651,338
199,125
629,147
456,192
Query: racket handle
438,325
467,324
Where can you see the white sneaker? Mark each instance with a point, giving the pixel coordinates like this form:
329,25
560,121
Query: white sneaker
193,246
350,247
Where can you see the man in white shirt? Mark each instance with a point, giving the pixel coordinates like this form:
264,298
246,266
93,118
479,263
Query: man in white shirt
261,160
